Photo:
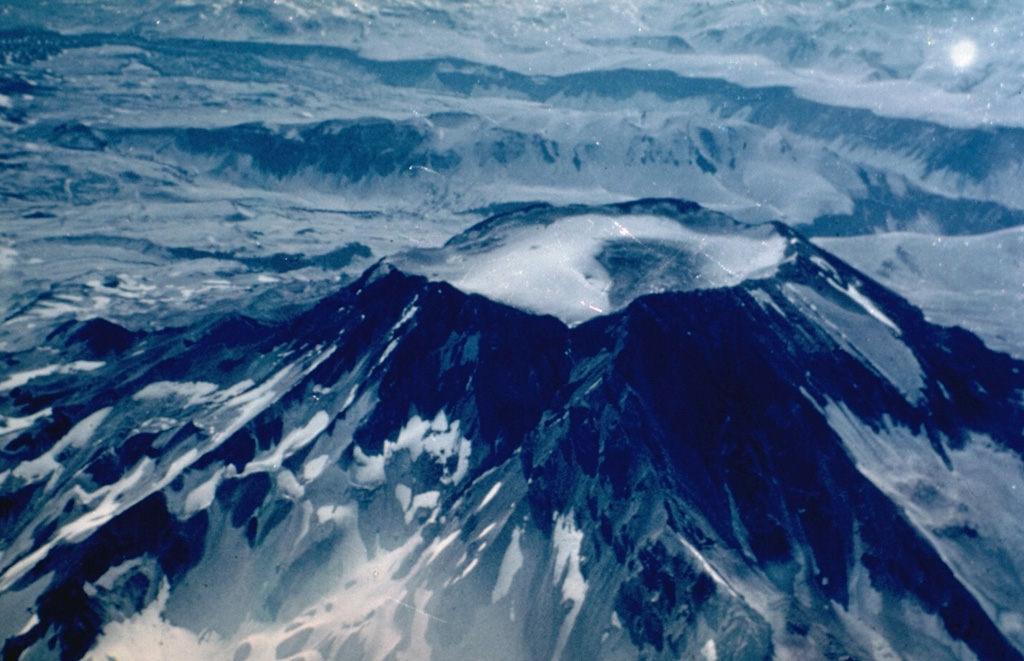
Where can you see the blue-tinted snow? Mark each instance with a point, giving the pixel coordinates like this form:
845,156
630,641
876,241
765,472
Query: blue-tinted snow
285,133
582,263
976,282
165,163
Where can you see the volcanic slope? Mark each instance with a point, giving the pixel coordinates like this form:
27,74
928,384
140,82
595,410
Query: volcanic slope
696,438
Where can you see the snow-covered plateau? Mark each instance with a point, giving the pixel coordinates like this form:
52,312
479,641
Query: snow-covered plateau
423,329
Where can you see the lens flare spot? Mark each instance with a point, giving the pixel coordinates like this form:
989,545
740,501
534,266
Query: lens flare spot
963,53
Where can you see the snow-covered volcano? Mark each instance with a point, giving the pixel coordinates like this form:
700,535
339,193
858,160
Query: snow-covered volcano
579,262
755,452
253,406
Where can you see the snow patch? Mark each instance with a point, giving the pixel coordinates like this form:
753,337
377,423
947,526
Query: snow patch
407,314
488,528
765,301
195,393
387,351
410,438
866,303
79,435
295,440
704,564
202,496
489,497
147,635
426,500
438,546
49,463
113,499
38,468
567,540
511,563
10,425
351,397
862,338
315,467
32,621
367,470
822,264
21,378
465,572
403,495
440,439
289,485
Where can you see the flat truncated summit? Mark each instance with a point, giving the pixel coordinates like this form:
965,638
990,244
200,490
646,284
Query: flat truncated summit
634,431
580,261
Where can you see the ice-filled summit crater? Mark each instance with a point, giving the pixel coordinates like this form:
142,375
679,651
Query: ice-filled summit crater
578,262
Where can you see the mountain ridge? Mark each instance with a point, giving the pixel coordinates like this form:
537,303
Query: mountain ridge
689,475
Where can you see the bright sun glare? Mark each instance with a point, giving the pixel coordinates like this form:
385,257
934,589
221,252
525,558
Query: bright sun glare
963,53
